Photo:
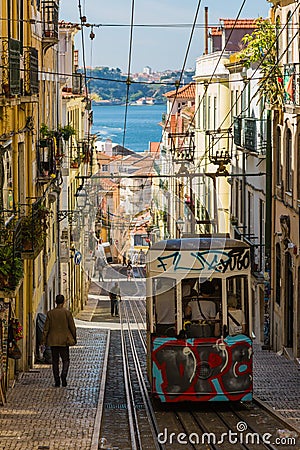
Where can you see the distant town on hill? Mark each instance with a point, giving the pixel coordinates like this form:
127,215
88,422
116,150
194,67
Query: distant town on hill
108,85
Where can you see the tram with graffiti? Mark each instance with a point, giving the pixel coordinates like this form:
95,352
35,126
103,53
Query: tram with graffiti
199,320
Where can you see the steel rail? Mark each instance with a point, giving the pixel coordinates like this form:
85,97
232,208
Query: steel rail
143,389
138,324
132,415
99,412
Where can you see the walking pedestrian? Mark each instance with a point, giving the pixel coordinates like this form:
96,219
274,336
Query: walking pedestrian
100,266
124,259
59,333
115,297
129,270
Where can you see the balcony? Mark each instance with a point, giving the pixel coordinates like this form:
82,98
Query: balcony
46,161
220,146
250,134
31,81
11,265
11,56
291,80
182,146
34,225
49,23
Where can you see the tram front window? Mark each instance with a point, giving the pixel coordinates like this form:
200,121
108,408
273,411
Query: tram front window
164,305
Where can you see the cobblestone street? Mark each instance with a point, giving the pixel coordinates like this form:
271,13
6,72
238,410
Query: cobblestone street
40,416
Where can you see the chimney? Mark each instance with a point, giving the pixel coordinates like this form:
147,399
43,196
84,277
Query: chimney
206,31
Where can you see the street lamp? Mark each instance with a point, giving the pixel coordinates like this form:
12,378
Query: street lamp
180,225
81,197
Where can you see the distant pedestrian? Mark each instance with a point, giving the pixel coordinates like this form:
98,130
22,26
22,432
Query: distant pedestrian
115,297
124,259
59,333
129,270
100,266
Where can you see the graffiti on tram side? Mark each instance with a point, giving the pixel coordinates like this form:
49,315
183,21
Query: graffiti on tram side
206,370
206,261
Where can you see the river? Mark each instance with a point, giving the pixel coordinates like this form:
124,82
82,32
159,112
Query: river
142,125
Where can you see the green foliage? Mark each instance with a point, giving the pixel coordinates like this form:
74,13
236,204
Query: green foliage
261,48
11,268
66,132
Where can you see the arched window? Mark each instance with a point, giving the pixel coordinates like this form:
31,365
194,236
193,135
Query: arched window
278,157
289,37
278,274
288,162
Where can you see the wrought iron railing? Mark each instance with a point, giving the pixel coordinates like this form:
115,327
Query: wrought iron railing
220,146
291,80
11,265
50,19
46,161
34,225
182,146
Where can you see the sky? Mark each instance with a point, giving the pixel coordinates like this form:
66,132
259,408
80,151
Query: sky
159,48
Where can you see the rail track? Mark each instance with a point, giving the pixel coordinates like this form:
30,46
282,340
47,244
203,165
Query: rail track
147,424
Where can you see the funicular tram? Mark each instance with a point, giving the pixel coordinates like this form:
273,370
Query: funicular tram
199,320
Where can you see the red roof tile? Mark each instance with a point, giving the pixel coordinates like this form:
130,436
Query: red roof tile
240,23
187,91
215,31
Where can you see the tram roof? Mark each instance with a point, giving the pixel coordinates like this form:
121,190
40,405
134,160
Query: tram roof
201,243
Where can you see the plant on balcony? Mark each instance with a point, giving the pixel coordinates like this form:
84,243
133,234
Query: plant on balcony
66,132
34,228
261,48
11,268
45,135
75,163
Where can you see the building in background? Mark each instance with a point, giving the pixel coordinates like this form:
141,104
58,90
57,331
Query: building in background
286,186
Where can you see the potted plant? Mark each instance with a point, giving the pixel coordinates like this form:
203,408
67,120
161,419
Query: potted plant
66,132
75,163
45,135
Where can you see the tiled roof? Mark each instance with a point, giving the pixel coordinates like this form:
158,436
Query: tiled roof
215,31
240,23
187,91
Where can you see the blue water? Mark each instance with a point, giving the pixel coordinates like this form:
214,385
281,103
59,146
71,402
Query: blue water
142,125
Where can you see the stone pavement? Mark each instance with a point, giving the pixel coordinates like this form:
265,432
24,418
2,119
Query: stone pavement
40,416
277,384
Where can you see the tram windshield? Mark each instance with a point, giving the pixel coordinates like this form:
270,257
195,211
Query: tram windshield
221,303
164,305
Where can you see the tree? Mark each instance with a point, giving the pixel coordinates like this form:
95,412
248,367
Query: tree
261,48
